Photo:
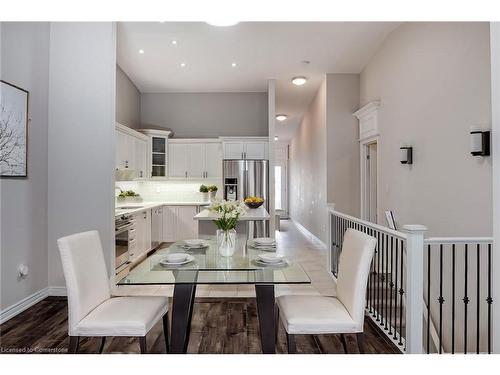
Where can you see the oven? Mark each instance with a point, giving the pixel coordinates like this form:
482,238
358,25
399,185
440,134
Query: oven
123,224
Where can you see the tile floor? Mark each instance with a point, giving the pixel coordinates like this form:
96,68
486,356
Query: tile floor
291,242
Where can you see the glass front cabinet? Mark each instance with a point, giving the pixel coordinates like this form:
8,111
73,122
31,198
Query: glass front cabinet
157,152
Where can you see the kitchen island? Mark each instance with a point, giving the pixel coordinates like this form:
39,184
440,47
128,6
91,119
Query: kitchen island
252,223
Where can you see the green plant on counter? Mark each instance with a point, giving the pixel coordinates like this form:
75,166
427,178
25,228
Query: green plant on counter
128,193
204,189
212,188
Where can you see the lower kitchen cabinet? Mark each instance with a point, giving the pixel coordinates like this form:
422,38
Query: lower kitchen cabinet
140,235
178,223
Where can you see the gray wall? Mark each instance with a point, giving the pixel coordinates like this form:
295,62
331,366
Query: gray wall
204,115
24,62
308,169
342,100
81,136
128,101
433,81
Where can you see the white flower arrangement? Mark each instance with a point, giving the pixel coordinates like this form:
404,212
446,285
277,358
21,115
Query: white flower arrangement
229,212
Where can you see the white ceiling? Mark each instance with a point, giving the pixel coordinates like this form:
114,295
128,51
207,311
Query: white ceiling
261,50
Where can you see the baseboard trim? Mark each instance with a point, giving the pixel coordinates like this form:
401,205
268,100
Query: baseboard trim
307,233
23,304
57,291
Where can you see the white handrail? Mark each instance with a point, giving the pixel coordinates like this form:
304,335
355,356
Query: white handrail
457,240
378,227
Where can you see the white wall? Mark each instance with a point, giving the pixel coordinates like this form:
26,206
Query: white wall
342,101
205,115
433,81
81,135
24,62
128,101
308,171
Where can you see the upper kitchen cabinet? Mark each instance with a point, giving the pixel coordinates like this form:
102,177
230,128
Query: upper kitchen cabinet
246,148
195,158
131,152
157,155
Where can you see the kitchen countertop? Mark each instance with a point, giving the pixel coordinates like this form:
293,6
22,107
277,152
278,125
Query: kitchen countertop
252,214
135,207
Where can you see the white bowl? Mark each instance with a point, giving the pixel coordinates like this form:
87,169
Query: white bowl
176,257
195,242
271,258
264,241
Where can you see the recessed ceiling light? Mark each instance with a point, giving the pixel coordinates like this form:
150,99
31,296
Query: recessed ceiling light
233,64
223,22
141,52
174,42
183,65
276,138
299,81
281,117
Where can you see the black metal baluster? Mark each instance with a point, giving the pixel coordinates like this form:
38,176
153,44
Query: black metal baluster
428,298
369,293
377,289
386,285
391,283
396,297
466,298
489,299
478,296
381,280
401,292
453,299
440,299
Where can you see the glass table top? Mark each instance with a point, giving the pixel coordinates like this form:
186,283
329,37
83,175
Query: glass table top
209,267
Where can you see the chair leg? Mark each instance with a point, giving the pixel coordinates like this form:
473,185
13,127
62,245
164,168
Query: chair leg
103,341
277,321
74,342
361,344
344,343
143,345
165,332
290,341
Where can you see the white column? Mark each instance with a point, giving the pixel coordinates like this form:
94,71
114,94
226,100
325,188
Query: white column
495,103
271,110
414,287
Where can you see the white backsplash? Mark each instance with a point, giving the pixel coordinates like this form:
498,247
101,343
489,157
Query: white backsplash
168,191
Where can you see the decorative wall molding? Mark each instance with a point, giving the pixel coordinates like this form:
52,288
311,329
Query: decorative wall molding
368,120
23,304
57,291
308,234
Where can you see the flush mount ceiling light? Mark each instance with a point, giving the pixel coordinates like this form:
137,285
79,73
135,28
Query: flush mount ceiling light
299,81
174,42
233,65
141,52
281,117
276,138
183,65
222,22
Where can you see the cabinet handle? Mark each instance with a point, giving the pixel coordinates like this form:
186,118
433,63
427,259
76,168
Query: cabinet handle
186,174
242,155
206,174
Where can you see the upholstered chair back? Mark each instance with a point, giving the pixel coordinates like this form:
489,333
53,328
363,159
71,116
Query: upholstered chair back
354,268
85,272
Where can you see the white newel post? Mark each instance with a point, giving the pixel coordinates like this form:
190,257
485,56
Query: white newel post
414,287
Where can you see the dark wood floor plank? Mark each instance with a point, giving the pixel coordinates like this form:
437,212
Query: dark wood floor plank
220,325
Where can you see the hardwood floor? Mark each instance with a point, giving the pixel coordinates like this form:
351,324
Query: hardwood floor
220,325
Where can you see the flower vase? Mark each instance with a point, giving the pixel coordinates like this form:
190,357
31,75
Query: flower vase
212,196
204,196
226,242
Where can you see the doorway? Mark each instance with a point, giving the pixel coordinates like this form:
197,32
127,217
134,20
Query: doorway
369,181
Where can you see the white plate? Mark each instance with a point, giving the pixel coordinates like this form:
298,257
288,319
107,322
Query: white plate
166,262
282,263
194,243
264,241
271,258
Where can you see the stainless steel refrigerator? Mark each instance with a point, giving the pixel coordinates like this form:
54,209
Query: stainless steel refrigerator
245,178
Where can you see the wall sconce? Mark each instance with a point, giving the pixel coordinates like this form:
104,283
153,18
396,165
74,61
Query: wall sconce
480,143
406,155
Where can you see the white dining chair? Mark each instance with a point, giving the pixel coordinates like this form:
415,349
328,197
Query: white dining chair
92,310
342,314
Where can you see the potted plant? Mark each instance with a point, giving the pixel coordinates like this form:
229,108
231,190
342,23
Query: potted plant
228,213
204,193
213,192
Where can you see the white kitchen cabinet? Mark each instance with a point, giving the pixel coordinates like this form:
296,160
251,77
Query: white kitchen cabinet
124,150
140,234
194,159
246,148
178,160
131,151
158,146
178,223
140,157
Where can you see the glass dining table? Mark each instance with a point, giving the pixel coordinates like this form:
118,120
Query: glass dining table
210,268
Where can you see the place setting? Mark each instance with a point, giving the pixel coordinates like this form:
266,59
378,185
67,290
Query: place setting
176,259
271,260
194,244
262,244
